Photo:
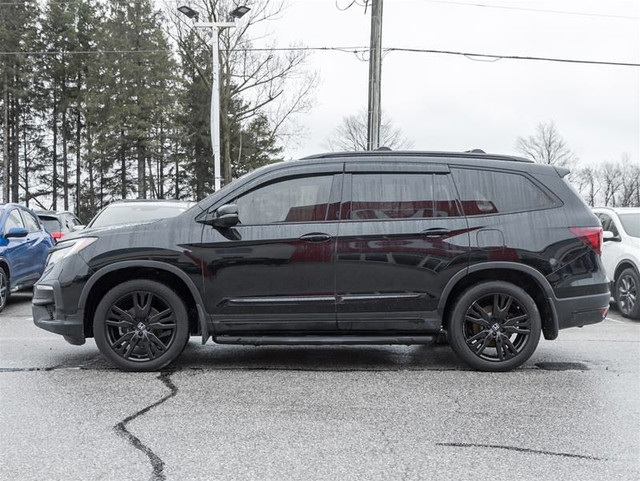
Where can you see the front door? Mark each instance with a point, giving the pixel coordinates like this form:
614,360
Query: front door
274,272
402,238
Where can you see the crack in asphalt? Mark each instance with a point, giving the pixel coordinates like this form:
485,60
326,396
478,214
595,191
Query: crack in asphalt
521,450
157,463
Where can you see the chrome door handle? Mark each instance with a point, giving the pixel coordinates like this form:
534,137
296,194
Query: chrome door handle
315,237
435,232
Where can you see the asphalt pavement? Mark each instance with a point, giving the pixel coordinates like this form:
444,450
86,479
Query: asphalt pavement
326,413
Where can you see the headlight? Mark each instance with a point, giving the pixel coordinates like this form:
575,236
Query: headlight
66,248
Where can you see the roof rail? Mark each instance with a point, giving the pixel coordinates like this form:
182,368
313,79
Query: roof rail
412,153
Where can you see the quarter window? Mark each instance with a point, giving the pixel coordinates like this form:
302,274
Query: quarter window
402,196
302,199
484,192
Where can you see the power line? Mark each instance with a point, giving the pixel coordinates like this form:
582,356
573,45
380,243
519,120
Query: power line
541,10
350,50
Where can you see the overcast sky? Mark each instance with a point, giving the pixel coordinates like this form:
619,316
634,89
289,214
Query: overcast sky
444,102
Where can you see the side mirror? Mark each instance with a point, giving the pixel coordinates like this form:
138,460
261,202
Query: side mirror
225,216
17,232
608,236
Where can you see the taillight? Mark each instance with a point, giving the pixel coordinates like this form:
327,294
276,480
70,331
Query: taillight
57,235
591,236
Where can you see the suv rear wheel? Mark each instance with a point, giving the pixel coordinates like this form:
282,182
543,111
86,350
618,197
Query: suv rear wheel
626,293
494,326
141,325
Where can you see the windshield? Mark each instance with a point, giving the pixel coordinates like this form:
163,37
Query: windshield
631,223
51,224
131,213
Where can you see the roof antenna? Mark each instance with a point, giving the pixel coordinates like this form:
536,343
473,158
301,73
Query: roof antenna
383,149
475,151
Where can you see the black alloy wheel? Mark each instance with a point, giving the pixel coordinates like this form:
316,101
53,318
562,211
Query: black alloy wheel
626,293
141,325
495,326
4,288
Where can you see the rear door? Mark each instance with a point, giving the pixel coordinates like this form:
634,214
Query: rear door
401,239
38,244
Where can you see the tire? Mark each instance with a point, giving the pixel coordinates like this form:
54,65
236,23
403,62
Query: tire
141,325
4,288
494,326
626,293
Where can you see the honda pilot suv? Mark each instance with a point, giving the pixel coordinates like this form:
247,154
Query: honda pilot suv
344,248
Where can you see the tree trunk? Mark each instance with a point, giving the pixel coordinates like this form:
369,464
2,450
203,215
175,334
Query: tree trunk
5,143
123,166
142,175
78,137
65,160
15,158
54,176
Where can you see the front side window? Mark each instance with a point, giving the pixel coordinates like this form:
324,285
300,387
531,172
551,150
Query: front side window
484,192
402,196
31,222
303,199
13,220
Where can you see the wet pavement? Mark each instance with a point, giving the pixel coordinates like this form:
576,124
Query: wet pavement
335,412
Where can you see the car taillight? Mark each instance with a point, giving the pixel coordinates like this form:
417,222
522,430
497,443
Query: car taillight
56,235
591,236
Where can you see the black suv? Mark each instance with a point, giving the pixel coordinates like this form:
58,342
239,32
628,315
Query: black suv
349,248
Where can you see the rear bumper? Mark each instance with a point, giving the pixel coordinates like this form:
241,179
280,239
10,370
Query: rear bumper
48,313
581,311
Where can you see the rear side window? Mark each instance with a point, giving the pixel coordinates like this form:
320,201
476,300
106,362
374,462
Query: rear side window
51,224
402,196
484,192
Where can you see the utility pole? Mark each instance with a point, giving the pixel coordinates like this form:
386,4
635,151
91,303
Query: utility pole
375,73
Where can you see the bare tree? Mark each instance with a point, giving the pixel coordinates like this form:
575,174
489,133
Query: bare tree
351,134
588,184
546,146
269,81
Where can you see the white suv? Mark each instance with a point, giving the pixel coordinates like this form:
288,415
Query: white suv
621,255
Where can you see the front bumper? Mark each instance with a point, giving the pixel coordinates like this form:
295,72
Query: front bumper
48,313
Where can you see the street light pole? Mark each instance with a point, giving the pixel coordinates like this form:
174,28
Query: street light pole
215,84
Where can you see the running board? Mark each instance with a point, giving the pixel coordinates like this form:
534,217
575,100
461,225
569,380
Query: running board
322,340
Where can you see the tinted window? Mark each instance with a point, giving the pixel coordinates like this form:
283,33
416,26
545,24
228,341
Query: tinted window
485,192
295,200
608,224
402,196
31,222
630,223
51,224
13,220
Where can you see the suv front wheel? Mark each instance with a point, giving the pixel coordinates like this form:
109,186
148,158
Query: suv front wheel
494,326
141,325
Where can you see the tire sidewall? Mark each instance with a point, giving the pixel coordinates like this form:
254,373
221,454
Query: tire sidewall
5,277
456,325
167,295
635,312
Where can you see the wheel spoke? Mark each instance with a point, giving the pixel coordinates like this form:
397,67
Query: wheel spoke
120,318
119,344
156,342
162,320
517,321
503,307
479,347
142,303
477,337
132,345
478,321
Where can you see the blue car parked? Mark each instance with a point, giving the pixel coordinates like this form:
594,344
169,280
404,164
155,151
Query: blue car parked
24,246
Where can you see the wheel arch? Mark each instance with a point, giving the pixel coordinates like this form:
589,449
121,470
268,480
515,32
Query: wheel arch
623,265
522,275
104,279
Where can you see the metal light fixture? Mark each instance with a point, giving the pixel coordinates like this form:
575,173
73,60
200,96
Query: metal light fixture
188,11
239,11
